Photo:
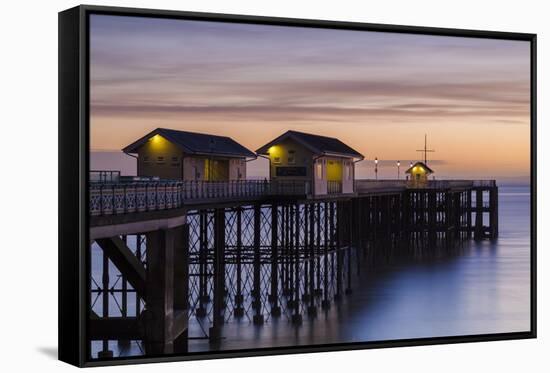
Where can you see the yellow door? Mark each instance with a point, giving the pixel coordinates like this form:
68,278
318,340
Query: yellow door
334,170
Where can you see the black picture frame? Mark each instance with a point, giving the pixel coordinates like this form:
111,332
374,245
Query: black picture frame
74,165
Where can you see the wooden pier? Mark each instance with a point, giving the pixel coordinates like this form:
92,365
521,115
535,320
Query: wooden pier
256,250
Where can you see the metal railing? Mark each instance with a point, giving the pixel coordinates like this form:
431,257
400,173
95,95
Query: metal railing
441,184
128,197
366,186
104,176
334,187
484,183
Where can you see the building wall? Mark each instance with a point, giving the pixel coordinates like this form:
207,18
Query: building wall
279,157
216,169
348,176
195,169
320,177
159,157
335,169
237,169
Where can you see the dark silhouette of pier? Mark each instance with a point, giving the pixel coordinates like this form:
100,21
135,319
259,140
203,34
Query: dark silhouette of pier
257,250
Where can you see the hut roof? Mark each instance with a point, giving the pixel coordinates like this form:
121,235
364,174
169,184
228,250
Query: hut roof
419,164
196,143
317,144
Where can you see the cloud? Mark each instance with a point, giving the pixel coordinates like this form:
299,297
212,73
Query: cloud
286,112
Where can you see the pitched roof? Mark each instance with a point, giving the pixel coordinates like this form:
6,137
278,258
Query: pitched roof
421,164
317,144
196,143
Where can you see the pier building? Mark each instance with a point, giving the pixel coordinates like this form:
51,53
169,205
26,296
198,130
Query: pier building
189,156
326,163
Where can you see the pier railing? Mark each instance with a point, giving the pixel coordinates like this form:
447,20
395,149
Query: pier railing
334,187
104,176
367,185
108,198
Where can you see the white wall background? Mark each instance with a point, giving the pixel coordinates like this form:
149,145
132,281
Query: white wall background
28,245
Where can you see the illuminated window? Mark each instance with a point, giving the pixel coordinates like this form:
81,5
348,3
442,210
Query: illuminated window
319,170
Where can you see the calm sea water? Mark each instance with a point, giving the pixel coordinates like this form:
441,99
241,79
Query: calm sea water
484,289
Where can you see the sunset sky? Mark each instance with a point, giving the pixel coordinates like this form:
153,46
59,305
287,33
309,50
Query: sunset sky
377,92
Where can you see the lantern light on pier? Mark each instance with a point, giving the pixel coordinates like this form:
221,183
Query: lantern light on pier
398,165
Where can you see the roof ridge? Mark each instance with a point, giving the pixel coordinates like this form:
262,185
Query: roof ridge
193,133
313,134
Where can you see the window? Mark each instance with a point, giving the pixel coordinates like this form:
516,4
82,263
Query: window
160,160
348,171
146,159
276,160
319,170
291,157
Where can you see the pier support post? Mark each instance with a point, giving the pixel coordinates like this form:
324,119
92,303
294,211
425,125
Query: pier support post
258,317
296,316
339,259
105,351
325,304
273,297
292,247
348,213
456,218
304,258
448,219
139,242
469,214
166,311
406,222
238,311
181,288
493,212
478,231
311,310
286,247
203,265
218,275
318,289
432,220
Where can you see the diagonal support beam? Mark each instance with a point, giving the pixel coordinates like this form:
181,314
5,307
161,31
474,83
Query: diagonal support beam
125,261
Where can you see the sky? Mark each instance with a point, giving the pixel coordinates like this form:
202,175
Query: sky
377,92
